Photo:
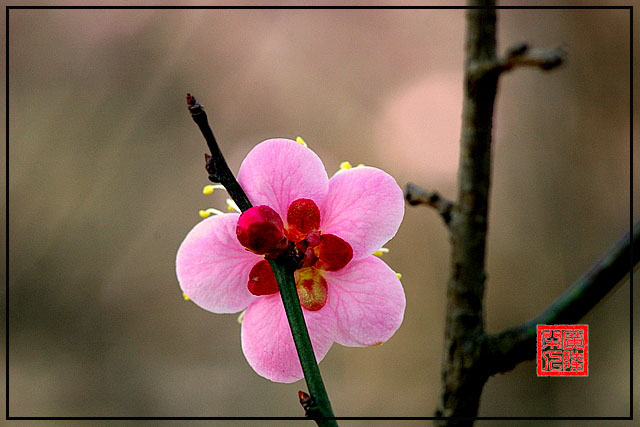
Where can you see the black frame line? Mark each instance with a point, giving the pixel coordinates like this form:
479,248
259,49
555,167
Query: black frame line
8,8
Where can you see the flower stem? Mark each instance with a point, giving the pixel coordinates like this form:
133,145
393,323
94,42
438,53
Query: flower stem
303,342
219,171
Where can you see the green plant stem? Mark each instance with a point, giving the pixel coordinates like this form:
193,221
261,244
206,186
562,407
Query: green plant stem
219,171
302,341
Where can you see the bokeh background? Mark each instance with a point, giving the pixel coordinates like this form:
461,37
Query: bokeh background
106,173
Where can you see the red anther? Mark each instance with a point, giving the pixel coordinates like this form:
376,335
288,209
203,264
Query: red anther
301,246
314,238
303,217
260,230
334,253
310,258
262,280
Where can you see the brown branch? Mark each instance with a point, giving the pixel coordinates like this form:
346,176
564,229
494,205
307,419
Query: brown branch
215,164
415,195
519,55
470,356
505,350
462,374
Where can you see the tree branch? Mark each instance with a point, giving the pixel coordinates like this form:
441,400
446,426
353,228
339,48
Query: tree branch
519,55
462,376
219,171
465,365
517,344
415,195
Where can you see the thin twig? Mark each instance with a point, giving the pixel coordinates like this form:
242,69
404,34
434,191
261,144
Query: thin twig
215,164
515,345
415,195
519,55
219,171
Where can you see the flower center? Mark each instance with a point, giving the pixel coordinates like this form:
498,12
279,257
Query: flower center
261,230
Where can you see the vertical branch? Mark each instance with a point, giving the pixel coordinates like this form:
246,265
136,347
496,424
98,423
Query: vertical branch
462,377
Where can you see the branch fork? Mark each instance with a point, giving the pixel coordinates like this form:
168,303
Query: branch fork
470,354
517,56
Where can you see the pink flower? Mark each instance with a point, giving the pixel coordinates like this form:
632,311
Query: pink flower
333,226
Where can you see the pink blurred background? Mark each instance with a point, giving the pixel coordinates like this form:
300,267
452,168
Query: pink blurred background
106,173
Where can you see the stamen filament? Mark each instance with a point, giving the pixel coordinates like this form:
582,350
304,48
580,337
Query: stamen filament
231,206
208,212
241,316
208,189
381,251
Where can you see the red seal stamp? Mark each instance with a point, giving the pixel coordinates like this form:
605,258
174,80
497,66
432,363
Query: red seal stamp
563,350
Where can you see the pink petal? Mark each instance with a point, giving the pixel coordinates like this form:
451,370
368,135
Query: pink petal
213,268
365,207
278,171
368,301
267,342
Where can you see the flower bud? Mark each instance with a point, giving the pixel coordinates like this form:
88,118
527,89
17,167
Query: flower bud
260,229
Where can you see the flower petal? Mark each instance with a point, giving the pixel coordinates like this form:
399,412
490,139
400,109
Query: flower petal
213,268
278,171
267,342
368,301
365,207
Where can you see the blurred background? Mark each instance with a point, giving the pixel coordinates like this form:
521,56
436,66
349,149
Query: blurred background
106,172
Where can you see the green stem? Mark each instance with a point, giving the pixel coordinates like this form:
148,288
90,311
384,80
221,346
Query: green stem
302,341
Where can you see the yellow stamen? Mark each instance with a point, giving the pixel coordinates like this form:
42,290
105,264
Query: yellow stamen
186,297
208,212
345,165
300,141
381,251
208,189
241,316
231,206
360,165
399,275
